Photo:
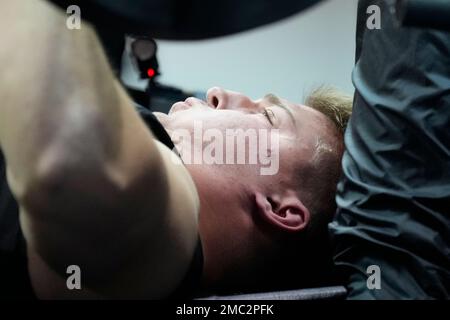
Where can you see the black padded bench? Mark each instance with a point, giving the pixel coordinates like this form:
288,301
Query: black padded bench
324,293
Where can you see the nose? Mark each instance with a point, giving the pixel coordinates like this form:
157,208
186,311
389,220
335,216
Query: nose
224,99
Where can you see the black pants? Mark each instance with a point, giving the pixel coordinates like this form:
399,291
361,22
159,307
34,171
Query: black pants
394,196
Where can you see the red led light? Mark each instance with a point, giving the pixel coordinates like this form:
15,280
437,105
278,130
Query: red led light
151,72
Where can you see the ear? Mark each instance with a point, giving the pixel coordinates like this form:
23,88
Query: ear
286,213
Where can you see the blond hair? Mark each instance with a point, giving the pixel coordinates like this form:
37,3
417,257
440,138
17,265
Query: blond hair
336,105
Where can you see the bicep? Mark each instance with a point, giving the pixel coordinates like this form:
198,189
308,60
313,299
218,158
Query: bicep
130,225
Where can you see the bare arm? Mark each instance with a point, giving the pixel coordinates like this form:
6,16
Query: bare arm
94,188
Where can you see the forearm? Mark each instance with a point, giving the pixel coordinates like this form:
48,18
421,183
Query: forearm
56,90
63,120
93,186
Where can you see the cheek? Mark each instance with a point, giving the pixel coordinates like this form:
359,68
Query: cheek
212,119
228,120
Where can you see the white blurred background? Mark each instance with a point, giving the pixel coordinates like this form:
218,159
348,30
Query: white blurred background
287,58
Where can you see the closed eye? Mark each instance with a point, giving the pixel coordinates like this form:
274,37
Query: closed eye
268,113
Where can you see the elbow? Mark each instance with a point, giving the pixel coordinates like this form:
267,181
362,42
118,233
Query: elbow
63,175
49,181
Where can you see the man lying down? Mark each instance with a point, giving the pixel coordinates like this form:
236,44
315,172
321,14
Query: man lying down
98,190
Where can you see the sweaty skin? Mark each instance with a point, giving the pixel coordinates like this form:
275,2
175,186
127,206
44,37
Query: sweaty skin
93,186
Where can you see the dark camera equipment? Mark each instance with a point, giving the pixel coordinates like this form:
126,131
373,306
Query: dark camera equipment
156,96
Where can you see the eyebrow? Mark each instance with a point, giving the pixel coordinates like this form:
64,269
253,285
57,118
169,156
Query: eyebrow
270,97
